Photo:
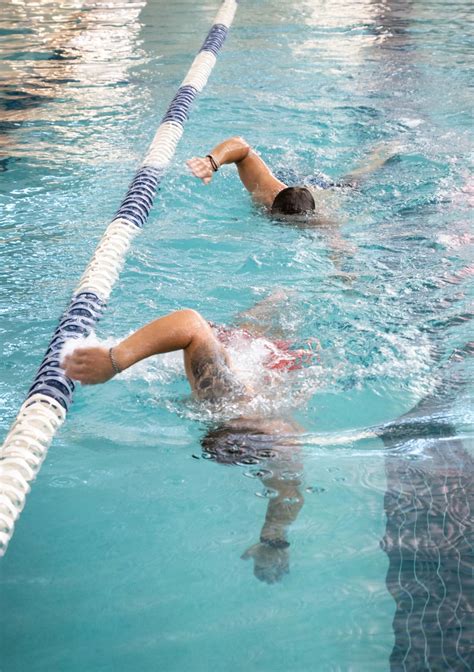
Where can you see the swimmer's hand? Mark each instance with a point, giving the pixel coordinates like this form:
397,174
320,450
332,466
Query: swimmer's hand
201,168
89,366
270,564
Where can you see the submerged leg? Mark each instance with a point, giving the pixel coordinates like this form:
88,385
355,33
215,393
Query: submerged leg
376,159
263,318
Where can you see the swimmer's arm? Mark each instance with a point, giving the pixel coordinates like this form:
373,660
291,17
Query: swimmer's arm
254,173
182,330
283,509
271,555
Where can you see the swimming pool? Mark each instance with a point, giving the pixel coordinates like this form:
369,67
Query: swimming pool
127,555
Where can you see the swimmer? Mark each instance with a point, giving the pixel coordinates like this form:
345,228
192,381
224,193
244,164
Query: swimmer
214,379
276,196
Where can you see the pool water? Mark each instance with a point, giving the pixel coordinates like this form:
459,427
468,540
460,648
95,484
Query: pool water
128,553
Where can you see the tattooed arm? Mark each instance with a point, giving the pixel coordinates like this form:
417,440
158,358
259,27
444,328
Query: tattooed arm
206,361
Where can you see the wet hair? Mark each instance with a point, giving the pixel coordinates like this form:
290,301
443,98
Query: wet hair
228,444
293,201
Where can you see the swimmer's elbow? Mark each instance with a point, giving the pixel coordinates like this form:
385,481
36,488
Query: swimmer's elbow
193,317
195,325
242,145
238,139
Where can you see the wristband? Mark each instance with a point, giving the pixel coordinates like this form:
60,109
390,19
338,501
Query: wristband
113,361
275,543
215,165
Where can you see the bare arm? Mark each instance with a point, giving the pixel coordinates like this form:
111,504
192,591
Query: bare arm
271,555
205,359
255,175
284,508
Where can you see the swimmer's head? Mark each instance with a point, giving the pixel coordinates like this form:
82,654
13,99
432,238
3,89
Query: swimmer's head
231,444
293,201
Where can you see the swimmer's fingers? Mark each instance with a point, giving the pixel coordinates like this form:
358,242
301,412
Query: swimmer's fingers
80,354
201,168
69,363
90,366
270,564
250,552
77,373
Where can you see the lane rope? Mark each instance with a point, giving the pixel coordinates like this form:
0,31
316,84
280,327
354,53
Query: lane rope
50,394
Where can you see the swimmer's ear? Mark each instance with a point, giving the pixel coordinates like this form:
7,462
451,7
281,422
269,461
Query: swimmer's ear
250,552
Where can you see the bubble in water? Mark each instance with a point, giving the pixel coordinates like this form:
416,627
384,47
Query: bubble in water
207,456
65,482
266,453
290,475
268,493
245,461
258,473
315,489
292,500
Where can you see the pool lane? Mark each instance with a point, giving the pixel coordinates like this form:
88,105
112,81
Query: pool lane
429,540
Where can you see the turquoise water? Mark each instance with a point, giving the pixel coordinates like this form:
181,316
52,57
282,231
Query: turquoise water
127,555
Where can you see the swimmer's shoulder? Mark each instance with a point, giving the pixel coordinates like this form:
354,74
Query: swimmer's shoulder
213,376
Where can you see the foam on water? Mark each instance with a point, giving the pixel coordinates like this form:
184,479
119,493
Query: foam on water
72,344
403,359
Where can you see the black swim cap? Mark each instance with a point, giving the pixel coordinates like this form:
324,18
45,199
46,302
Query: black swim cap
293,201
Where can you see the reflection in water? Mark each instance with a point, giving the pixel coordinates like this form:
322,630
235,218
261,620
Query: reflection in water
342,30
429,540
259,437
429,501
76,50
266,443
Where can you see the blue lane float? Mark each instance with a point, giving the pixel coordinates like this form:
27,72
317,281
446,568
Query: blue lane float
77,321
180,105
51,392
139,198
